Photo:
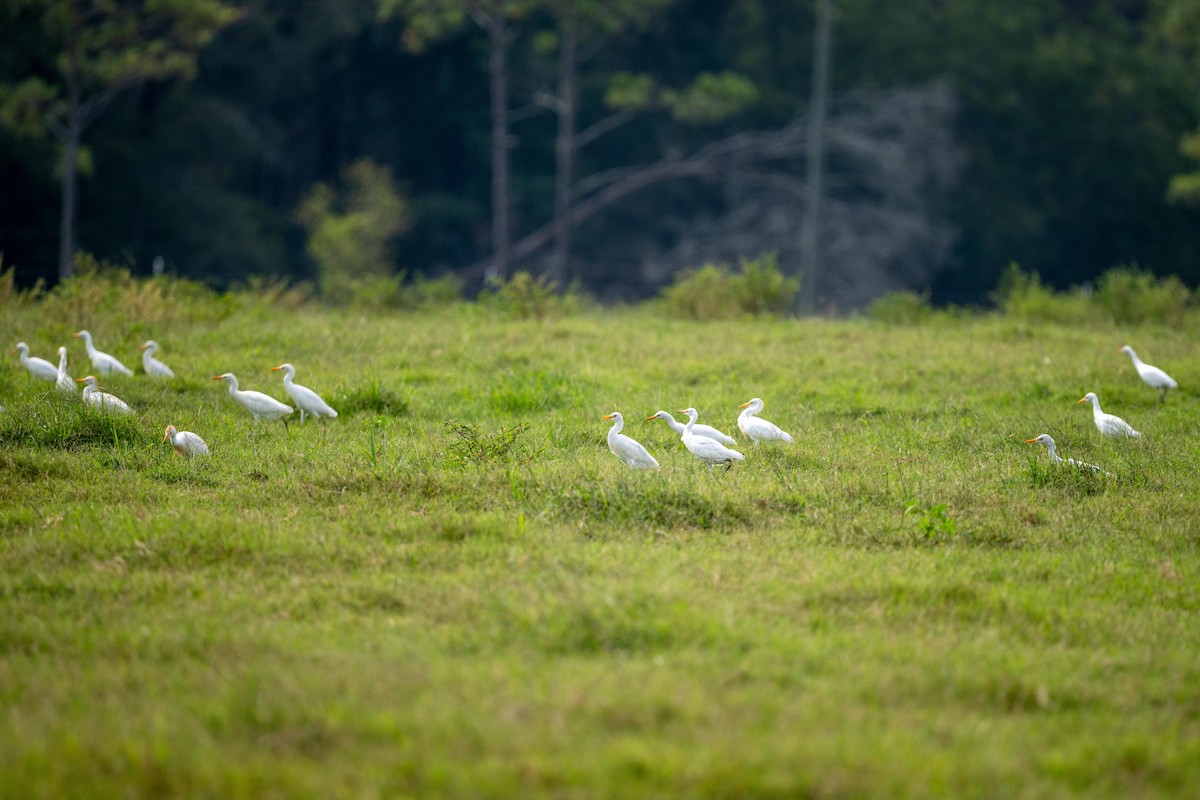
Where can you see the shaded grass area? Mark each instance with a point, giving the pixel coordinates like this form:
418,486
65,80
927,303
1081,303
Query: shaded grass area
908,602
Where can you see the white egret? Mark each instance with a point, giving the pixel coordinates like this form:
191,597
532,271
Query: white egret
102,400
260,406
153,367
706,431
631,452
38,367
186,443
707,450
308,401
103,362
1107,424
1151,375
1046,440
65,382
759,430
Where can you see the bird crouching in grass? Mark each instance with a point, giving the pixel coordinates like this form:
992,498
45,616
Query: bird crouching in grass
186,443
1047,441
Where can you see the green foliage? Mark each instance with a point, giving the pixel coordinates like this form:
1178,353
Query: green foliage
478,449
901,308
712,97
716,292
351,233
524,296
1131,295
1125,295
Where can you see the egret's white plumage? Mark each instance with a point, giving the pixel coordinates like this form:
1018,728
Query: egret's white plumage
707,431
153,367
630,452
709,451
759,430
186,443
1107,424
1151,375
38,367
260,406
103,362
102,400
63,381
1046,440
308,401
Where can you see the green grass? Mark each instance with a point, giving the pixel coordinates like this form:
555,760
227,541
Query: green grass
906,602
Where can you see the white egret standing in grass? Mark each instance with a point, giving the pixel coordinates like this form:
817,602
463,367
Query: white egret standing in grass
1151,375
630,452
308,401
102,400
1107,424
103,362
1048,442
65,383
153,367
186,443
709,451
260,406
706,431
37,367
759,430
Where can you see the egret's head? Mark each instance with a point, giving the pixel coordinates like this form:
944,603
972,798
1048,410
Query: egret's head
1090,397
224,376
80,335
90,380
754,403
659,415
614,415
1127,350
168,432
691,412
285,367
148,344
20,348
1042,439
62,350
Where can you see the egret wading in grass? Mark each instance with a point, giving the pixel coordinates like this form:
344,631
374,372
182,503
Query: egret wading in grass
153,367
759,430
39,368
261,406
186,443
1151,375
631,452
707,431
64,382
102,400
709,451
1108,424
103,362
1047,441
308,401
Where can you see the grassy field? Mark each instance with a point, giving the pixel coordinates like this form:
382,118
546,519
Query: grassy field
906,602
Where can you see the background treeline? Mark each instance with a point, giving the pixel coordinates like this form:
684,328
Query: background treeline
353,144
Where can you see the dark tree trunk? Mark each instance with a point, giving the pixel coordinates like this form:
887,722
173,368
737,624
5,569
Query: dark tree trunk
810,236
498,68
564,147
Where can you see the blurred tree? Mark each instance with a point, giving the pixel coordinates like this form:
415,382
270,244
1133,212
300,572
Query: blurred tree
1181,21
99,49
352,229
429,20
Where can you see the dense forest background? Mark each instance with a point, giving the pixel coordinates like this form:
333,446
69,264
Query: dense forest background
641,138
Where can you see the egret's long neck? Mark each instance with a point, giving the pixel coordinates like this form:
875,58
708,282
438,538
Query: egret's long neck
147,357
616,428
87,344
749,411
1054,457
1137,362
62,362
233,389
690,424
673,424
